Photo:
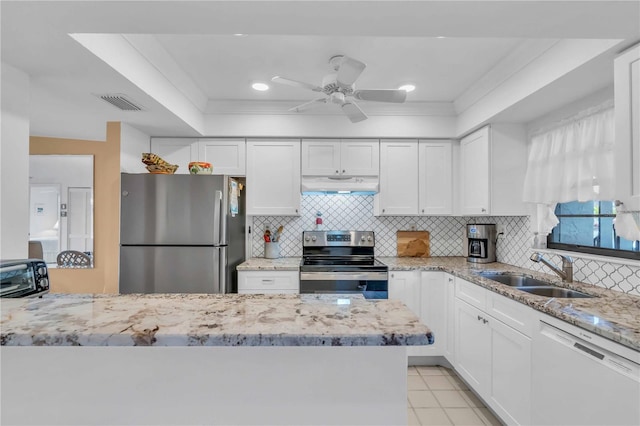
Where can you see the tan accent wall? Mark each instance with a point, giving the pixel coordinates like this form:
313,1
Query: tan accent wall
103,278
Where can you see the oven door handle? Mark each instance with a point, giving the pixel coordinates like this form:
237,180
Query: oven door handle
343,276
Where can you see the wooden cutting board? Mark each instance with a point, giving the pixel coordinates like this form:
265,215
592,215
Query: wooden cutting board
413,243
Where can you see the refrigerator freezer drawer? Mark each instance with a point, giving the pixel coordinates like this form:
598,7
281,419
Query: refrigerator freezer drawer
162,269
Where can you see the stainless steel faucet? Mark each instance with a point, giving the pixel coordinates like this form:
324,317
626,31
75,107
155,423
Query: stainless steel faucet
567,266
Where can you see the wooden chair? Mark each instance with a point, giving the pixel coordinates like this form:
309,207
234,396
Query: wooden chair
73,259
35,250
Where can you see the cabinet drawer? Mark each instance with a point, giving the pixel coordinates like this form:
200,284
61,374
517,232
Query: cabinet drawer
514,314
261,281
471,293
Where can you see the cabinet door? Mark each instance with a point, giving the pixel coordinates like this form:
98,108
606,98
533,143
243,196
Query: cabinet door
398,178
176,151
436,178
450,307
405,286
475,177
473,347
360,157
273,177
227,156
433,308
627,101
321,157
510,394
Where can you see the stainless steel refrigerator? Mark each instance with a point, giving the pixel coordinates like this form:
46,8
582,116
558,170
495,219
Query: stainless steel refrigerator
181,233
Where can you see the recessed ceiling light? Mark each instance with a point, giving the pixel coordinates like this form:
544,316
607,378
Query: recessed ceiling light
240,35
441,37
407,88
260,86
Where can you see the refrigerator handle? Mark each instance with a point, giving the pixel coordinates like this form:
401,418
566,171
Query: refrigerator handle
217,221
222,270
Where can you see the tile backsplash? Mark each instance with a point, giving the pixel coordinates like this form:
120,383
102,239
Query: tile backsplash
446,232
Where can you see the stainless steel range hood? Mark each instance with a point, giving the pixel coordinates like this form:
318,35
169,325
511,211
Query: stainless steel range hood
330,185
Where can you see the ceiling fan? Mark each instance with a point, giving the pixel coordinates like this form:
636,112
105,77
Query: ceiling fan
339,89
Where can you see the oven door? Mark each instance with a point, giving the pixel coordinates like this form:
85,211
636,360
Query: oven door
17,280
372,285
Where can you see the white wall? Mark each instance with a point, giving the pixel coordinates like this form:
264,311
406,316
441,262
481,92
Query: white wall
14,154
133,143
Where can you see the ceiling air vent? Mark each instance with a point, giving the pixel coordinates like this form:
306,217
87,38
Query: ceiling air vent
120,101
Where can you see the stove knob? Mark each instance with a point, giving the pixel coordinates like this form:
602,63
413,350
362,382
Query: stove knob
307,238
369,238
313,238
362,238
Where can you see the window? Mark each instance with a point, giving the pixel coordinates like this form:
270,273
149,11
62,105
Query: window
588,228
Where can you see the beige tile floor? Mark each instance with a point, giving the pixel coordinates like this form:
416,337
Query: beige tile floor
438,397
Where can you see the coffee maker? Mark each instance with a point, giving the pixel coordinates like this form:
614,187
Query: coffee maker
481,243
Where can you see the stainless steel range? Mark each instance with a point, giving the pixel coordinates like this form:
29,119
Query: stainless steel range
342,262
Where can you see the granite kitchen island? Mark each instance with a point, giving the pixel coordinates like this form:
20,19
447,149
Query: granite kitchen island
206,359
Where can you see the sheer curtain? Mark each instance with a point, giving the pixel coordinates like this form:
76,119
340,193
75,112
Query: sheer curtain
572,160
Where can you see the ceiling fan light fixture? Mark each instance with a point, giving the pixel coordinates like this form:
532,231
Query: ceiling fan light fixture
260,87
407,87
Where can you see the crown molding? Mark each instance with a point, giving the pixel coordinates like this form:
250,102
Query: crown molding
370,108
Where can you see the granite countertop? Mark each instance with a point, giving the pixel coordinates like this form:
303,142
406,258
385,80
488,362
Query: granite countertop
208,320
612,314
262,264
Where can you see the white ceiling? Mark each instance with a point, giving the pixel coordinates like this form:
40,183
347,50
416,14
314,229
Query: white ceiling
225,66
397,40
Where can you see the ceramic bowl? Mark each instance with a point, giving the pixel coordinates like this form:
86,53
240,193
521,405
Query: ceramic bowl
200,168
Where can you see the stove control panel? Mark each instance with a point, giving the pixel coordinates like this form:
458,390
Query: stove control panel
338,239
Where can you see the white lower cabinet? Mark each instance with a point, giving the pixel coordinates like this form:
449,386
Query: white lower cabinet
473,347
405,287
424,294
450,308
491,355
268,282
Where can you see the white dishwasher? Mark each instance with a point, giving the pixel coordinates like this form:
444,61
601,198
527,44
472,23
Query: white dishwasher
577,382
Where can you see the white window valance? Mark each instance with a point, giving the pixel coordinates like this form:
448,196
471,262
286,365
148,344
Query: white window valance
574,160
571,160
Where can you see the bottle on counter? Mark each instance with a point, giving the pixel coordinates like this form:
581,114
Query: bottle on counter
319,225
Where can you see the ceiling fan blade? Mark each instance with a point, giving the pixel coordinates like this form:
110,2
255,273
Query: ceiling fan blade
353,111
295,83
397,96
349,71
308,105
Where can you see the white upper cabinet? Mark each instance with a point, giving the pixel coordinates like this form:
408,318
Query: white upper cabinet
398,194
340,157
321,157
415,178
475,169
493,162
227,156
360,157
273,177
627,105
436,177
179,151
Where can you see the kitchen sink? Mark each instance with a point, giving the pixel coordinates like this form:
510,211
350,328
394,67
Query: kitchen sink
552,291
514,280
532,285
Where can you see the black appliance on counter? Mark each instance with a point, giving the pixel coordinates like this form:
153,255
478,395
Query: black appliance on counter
342,262
23,278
